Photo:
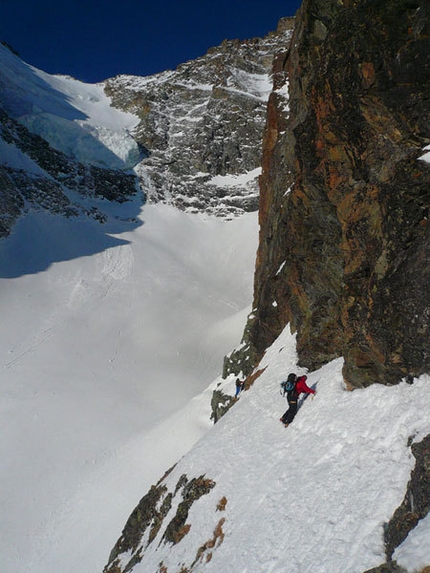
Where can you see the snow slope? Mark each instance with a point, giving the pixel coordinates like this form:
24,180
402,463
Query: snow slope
102,358
74,117
310,497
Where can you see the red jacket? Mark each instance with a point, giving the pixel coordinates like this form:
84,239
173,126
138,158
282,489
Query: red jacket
301,386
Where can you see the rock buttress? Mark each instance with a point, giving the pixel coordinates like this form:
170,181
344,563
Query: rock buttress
344,236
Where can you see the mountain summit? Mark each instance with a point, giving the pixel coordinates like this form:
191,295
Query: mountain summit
189,137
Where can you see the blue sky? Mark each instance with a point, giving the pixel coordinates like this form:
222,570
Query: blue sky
96,39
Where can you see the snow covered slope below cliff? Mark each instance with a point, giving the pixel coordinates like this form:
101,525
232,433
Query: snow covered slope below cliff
102,357
311,497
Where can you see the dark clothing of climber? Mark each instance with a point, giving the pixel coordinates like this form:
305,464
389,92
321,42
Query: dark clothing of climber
293,397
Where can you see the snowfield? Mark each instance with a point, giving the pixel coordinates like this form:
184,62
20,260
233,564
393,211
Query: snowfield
110,333
103,360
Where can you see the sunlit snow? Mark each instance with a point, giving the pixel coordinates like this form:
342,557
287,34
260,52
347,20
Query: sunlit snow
74,117
311,497
426,156
101,359
231,181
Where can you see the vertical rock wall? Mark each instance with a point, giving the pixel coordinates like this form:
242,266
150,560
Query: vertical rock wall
344,242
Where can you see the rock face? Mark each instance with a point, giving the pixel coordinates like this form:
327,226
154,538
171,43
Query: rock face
344,242
198,140
220,404
202,125
390,567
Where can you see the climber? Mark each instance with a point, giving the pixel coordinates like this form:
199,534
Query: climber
239,387
293,396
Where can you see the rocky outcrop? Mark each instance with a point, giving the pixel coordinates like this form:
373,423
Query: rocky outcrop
220,404
416,504
202,125
146,525
344,242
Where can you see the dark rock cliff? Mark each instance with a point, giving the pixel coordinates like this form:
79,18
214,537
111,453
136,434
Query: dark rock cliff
344,234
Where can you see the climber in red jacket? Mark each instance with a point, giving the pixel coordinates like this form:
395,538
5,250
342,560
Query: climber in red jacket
300,387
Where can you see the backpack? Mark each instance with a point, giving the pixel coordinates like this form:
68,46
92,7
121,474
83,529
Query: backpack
289,385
